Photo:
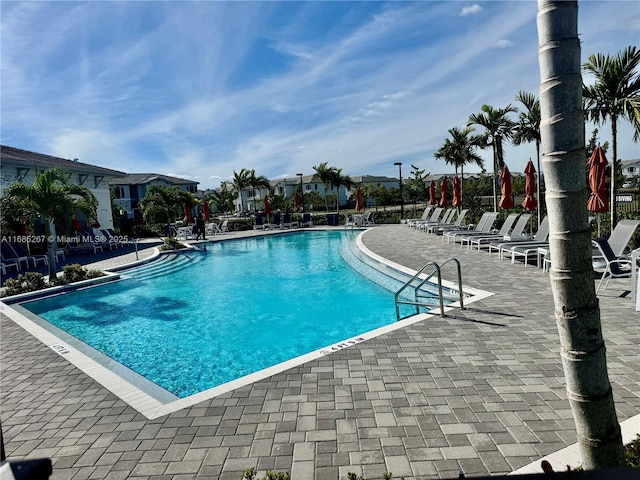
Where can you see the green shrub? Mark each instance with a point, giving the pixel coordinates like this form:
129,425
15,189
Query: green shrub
27,282
149,231
76,273
632,453
172,244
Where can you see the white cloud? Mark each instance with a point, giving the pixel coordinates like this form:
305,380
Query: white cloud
504,43
470,10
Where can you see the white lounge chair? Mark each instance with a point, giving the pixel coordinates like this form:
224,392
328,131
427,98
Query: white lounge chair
516,231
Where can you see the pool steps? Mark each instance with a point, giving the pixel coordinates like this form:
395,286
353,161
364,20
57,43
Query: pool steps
166,264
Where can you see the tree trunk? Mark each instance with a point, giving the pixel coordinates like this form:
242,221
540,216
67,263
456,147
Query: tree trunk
494,178
576,305
614,162
539,182
52,247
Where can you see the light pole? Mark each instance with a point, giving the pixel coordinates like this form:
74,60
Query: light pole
301,195
399,164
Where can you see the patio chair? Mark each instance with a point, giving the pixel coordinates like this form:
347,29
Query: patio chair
367,220
306,220
111,239
615,267
440,228
424,216
10,264
21,254
504,230
224,226
286,221
485,224
435,216
540,239
516,232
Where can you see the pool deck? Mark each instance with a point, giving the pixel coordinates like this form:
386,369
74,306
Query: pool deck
481,389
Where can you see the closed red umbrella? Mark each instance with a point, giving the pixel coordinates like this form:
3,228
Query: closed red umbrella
444,190
506,201
457,192
530,202
75,224
296,203
358,199
597,175
205,210
267,206
597,202
187,213
432,193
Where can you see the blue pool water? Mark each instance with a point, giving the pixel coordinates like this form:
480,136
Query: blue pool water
234,309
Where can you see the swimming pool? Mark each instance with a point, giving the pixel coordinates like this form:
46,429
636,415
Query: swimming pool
191,324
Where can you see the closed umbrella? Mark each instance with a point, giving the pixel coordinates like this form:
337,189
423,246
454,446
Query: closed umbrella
75,224
506,201
597,202
444,190
187,213
296,203
205,211
530,202
457,192
358,199
432,193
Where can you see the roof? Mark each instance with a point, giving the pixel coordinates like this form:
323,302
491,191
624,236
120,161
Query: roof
372,179
145,178
25,157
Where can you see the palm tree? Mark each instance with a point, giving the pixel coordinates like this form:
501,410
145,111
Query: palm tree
499,127
223,198
54,199
460,150
325,175
615,94
240,183
163,204
258,182
338,180
576,305
528,130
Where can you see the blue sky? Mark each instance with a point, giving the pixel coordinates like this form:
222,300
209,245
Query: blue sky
200,89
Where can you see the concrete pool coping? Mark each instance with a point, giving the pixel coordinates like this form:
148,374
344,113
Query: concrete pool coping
480,390
143,395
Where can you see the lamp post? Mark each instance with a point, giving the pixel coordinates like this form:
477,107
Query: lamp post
301,196
399,164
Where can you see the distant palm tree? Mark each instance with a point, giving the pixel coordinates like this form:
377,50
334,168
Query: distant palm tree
528,130
257,183
164,204
325,175
499,127
241,182
460,150
54,199
615,94
338,180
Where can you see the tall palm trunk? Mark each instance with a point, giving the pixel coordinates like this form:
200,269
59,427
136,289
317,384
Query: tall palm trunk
614,163
538,183
52,247
576,305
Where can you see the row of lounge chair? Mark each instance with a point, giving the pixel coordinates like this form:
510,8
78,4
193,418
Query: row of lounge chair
279,220
91,241
511,241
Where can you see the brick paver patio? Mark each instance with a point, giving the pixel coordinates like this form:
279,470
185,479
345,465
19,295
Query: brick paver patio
480,390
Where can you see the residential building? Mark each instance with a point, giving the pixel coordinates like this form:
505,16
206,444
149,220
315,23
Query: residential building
17,165
131,188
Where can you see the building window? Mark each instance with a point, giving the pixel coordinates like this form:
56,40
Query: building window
632,169
119,191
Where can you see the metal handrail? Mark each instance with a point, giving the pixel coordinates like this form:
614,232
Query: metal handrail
437,270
